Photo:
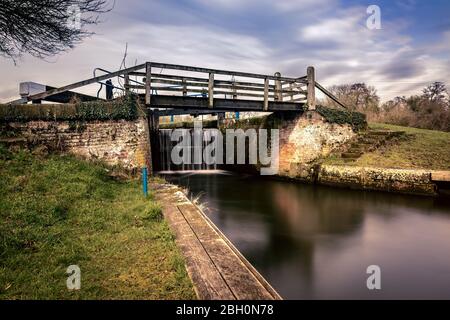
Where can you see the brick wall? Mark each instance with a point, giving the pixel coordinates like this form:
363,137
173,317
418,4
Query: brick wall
307,138
115,142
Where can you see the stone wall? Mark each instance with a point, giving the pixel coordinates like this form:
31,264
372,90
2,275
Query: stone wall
113,141
305,139
392,180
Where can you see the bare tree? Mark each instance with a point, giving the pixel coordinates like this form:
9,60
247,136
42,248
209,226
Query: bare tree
357,96
396,103
435,92
44,28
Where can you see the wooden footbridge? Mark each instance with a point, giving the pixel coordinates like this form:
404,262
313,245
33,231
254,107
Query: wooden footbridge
179,89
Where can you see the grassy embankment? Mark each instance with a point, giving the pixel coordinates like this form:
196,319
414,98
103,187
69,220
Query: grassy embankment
418,149
56,211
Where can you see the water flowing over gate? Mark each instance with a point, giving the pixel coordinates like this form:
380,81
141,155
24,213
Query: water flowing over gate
166,146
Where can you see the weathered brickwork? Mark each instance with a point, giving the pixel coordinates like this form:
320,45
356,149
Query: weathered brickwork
115,142
307,138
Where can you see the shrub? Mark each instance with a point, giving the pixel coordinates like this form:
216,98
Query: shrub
153,212
356,119
123,108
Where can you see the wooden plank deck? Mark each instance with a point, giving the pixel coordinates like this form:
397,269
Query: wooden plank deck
218,271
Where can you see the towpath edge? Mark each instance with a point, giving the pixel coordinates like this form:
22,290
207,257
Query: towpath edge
217,269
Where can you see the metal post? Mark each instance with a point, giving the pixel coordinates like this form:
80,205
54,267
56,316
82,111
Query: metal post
144,181
311,98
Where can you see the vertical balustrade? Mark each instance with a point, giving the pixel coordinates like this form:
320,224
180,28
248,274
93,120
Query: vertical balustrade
184,87
266,94
311,95
278,88
148,78
127,83
211,90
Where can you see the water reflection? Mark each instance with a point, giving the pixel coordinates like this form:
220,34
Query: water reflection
315,242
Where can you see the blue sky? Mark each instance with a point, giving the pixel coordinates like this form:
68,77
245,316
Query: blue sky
411,49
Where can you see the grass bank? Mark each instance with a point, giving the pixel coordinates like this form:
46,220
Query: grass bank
418,149
58,211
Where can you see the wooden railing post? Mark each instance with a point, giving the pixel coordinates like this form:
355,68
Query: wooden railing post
266,94
291,95
278,88
211,90
184,87
311,95
148,79
126,83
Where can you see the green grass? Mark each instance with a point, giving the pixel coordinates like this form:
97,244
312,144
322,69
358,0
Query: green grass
418,149
57,211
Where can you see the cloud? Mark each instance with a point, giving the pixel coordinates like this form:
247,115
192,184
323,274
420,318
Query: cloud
343,29
281,5
256,36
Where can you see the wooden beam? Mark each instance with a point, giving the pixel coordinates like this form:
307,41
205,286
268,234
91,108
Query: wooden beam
217,71
168,76
217,84
211,90
242,83
238,93
133,86
127,83
289,93
311,97
278,88
179,82
184,87
180,102
330,95
42,96
175,112
266,94
299,86
148,79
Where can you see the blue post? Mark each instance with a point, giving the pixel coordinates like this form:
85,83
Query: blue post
237,115
171,119
144,181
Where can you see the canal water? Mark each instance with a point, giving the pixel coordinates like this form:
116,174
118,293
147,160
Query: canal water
313,242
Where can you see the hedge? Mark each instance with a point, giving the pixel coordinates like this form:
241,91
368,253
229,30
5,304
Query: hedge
125,108
356,119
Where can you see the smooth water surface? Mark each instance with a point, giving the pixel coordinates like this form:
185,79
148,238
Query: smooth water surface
315,242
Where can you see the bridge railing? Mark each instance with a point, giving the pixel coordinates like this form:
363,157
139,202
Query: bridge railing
178,80
153,78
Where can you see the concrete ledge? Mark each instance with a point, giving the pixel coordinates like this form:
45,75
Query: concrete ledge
440,176
381,179
217,270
